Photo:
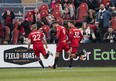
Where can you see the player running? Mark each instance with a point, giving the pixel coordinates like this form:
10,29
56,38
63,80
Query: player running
75,37
37,38
62,42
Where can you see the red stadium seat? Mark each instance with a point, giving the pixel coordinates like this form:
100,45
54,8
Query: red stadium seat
7,33
105,2
113,23
16,24
56,7
56,14
82,11
15,36
45,29
43,7
59,20
15,33
43,13
29,15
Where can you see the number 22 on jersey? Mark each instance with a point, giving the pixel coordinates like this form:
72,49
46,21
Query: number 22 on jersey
36,37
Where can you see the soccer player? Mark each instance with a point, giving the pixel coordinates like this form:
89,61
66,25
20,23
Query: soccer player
75,37
62,42
37,38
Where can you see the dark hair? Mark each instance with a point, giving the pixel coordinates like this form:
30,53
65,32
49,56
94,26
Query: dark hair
72,22
55,22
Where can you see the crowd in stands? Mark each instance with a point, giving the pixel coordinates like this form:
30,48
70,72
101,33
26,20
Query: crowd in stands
95,18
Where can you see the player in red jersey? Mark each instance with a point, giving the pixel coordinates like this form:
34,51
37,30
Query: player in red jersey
37,38
75,37
62,41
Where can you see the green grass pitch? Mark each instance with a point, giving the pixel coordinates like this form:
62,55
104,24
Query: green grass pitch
59,74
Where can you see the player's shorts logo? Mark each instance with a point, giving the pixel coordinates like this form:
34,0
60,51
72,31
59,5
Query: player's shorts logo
19,55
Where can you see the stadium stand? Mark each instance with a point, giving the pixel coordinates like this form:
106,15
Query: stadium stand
25,9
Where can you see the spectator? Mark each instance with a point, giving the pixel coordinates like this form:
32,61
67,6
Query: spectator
27,28
113,11
67,15
53,32
103,17
8,17
53,2
50,18
21,35
110,36
65,3
108,5
91,16
87,32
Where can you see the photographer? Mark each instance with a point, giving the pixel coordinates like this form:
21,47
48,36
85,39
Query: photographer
110,36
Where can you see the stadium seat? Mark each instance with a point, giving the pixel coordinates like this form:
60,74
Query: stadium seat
56,14
43,7
113,23
56,7
15,33
105,2
82,12
43,13
29,15
45,29
7,33
59,20
15,36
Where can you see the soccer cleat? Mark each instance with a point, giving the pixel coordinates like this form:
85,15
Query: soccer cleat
53,67
50,53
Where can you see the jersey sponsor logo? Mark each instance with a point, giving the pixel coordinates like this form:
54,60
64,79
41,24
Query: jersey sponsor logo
19,55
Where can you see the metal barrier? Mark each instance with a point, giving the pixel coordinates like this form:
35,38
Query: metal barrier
22,7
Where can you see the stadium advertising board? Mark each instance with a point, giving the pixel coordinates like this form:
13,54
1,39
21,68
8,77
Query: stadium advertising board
19,56
102,54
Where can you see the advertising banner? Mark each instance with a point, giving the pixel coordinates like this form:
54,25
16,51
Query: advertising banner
19,56
101,54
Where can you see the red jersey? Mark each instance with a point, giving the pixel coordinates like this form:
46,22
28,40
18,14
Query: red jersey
36,37
61,34
75,36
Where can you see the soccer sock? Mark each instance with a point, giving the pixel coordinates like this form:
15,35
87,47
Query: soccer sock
56,60
71,60
41,63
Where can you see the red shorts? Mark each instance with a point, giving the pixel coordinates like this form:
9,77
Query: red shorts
62,46
74,50
39,49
